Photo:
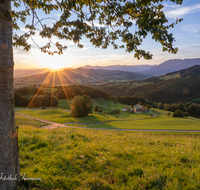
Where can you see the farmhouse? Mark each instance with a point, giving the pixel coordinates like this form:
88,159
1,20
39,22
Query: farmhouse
139,109
126,109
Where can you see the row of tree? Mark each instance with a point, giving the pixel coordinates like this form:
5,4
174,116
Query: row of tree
33,97
74,90
191,109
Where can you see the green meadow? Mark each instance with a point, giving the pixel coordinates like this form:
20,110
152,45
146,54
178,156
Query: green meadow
123,120
157,123
67,158
22,120
104,105
81,158
60,116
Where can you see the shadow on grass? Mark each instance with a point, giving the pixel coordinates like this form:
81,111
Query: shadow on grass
99,126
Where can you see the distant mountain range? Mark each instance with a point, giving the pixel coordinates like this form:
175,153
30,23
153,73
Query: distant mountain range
171,66
79,76
150,70
154,70
18,73
130,68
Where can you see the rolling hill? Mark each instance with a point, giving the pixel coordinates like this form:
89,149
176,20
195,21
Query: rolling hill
183,85
79,76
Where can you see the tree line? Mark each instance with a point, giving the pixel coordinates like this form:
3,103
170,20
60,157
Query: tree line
74,90
188,108
33,97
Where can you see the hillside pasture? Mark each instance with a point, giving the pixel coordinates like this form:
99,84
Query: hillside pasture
22,120
104,105
60,116
157,123
67,158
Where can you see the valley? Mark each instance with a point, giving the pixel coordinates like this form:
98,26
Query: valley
111,148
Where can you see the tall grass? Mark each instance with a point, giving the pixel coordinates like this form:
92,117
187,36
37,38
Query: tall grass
94,159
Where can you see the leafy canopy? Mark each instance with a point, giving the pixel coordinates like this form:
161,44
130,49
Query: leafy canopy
103,22
81,106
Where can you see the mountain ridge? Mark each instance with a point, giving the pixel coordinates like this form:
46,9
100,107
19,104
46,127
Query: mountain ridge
172,65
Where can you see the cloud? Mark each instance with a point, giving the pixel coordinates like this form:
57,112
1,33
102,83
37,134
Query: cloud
181,11
192,28
171,6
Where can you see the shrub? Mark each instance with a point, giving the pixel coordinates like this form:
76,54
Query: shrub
107,112
160,106
115,101
185,114
96,108
104,112
178,113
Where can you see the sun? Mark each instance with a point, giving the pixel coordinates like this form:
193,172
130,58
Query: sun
55,62
55,66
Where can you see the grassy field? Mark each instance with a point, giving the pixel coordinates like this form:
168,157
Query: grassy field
109,160
60,116
125,120
104,105
161,123
64,103
170,76
22,120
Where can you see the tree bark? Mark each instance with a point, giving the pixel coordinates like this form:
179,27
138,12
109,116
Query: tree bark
9,153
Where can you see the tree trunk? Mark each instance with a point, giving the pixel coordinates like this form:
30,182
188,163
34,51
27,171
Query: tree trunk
9,153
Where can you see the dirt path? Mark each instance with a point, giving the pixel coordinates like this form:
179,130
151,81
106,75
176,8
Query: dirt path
37,119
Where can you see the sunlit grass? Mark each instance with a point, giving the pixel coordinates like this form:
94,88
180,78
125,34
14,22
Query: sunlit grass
60,116
22,120
162,123
95,159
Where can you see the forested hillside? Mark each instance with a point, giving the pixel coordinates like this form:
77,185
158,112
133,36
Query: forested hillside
183,85
32,96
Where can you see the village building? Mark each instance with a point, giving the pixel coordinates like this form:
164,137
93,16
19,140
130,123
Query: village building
126,109
139,109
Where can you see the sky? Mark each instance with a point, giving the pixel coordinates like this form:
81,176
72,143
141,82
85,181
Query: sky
186,33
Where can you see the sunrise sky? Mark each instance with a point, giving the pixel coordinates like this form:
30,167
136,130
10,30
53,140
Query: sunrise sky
186,33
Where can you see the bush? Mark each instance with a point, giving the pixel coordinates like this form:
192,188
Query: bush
115,101
107,112
104,112
96,108
100,110
185,114
148,106
160,106
117,116
178,113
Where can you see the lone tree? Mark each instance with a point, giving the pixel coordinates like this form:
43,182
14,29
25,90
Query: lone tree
78,18
81,106
96,108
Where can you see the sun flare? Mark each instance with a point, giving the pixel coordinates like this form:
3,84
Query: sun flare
55,62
